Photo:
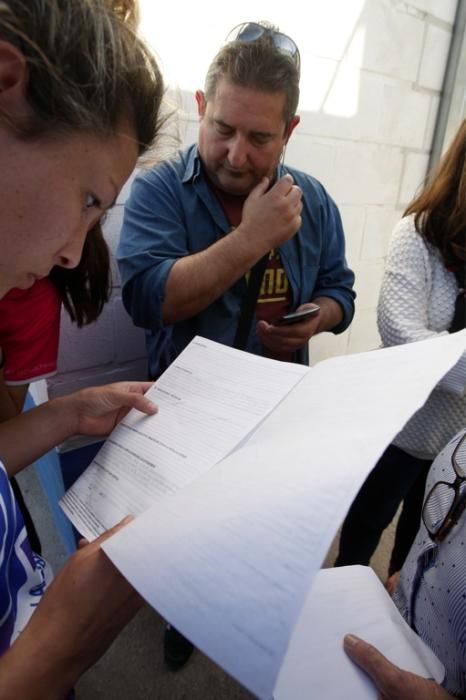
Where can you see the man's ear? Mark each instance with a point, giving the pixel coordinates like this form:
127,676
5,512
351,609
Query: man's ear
291,126
201,103
13,79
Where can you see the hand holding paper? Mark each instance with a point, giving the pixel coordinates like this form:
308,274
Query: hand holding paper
392,682
350,598
229,552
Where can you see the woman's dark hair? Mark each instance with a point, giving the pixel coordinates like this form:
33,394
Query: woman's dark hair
86,288
88,70
440,208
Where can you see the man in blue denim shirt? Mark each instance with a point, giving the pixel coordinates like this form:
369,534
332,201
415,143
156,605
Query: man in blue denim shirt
195,226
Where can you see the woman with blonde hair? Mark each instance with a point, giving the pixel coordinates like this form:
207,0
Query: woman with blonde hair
80,99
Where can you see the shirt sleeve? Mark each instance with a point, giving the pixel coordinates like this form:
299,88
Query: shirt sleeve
454,381
335,279
402,312
29,332
153,237
405,295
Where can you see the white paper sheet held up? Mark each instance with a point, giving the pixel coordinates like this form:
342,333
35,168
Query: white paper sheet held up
229,558
210,398
348,599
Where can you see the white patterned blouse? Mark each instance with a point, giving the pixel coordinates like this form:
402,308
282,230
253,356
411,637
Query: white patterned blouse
416,302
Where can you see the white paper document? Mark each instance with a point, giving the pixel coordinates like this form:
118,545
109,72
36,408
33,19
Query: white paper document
210,399
229,558
343,600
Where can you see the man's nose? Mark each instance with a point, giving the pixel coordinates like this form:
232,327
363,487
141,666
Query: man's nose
237,153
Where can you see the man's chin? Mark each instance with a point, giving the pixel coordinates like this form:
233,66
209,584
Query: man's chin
237,187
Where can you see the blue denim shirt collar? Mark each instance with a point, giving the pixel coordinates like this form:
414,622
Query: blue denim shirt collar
193,168
193,173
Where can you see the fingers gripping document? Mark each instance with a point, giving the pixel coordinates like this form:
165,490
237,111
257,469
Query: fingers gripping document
209,399
342,600
228,554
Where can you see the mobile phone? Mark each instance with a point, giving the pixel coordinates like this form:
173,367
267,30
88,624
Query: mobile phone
296,316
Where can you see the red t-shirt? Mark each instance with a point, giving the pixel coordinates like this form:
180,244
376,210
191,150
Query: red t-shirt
29,332
275,297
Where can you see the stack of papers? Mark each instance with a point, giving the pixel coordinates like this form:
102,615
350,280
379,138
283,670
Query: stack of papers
348,599
240,483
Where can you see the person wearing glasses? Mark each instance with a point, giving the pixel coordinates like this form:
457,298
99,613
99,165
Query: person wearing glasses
225,239
431,592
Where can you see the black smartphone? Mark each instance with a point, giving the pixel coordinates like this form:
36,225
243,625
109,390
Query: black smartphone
296,316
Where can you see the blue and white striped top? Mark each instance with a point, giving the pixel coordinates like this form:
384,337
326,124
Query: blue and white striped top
431,594
24,575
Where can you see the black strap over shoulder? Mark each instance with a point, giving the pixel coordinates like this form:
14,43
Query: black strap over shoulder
248,306
459,316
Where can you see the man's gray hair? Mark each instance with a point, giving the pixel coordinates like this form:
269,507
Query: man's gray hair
258,65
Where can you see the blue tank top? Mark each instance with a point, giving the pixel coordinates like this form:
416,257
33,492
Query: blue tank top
24,575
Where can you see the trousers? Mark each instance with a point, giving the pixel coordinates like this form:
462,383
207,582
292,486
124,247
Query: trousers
396,477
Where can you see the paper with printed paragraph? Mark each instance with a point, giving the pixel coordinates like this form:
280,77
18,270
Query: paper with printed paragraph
209,400
229,558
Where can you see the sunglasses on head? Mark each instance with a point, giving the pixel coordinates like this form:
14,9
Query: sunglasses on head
251,31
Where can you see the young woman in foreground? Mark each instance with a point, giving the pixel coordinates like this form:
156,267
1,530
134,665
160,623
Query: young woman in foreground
79,103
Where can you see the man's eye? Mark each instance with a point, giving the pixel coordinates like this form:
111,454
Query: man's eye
93,201
260,140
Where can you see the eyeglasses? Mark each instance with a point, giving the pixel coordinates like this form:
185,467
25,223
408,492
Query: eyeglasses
251,31
446,497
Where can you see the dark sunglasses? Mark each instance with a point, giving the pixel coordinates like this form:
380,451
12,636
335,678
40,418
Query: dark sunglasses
251,31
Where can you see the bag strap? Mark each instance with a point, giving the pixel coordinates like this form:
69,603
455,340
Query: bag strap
248,306
459,316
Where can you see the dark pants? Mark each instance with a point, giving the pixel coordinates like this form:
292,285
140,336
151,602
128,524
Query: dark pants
396,477
30,527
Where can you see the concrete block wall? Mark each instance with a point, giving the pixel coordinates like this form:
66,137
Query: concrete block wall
373,159
371,79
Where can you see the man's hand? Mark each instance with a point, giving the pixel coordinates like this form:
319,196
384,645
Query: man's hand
269,218
78,618
96,411
391,681
272,216
283,339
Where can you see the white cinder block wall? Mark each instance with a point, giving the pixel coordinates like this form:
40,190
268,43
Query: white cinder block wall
372,73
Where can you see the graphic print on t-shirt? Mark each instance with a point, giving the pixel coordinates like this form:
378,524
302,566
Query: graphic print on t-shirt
275,294
274,298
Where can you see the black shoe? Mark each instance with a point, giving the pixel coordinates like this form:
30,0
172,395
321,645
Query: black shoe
176,649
